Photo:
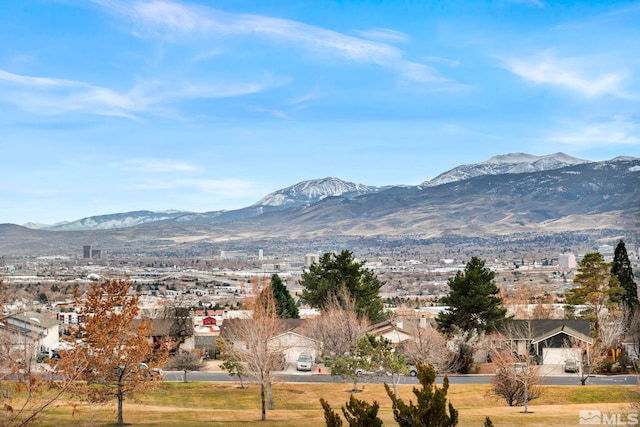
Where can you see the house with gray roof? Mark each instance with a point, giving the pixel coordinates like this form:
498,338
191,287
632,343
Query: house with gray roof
33,332
549,341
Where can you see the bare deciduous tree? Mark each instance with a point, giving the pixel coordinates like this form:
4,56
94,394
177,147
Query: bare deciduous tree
185,362
180,314
611,332
428,346
516,380
338,328
586,357
254,345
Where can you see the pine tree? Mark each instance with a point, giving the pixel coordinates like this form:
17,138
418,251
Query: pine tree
431,408
621,268
285,304
360,413
597,288
331,417
473,302
332,274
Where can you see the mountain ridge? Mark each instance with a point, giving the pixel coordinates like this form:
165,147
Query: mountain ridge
505,164
583,200
309,192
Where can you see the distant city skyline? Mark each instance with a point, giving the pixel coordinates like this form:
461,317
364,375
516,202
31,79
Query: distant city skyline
111,106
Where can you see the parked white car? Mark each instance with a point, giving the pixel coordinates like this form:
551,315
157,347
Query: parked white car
304,363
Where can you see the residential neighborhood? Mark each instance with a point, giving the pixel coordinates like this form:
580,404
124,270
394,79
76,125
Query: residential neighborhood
536,320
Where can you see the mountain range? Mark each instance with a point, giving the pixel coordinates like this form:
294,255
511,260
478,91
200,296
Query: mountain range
507,194
309,192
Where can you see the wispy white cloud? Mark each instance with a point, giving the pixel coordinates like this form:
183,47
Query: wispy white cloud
173,20
440,60
427,75
154,165
270,111
204,56
44,95
305,98
43,82
385,35
170,15
618,131
573,74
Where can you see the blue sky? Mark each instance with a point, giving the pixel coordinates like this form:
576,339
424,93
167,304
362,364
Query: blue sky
110,106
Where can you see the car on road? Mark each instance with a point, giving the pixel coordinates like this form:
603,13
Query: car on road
571,365
155,373
304,363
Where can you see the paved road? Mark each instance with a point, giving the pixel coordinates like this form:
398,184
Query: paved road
304,377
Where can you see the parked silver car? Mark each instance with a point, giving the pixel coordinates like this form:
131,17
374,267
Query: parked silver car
304,363
571,365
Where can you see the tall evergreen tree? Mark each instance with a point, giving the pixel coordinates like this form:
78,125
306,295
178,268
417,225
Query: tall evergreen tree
474,303
285,304
621,268
334,272
597,288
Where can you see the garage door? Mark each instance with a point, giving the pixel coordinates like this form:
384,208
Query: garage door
557,356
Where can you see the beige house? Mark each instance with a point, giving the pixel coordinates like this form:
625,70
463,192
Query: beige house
32,332
290,341
394,331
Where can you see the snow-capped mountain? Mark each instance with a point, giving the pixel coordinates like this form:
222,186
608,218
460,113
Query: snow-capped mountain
311,191
328,191
506,164
119,220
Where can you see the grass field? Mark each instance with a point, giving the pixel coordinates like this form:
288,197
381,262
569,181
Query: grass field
224,404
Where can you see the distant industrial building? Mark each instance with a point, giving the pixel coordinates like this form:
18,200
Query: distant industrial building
233,254
567,260
310,259
89,253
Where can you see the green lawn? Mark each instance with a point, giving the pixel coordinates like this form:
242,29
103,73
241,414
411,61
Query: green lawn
224,404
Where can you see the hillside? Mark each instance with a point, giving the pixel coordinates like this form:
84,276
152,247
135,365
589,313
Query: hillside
579,197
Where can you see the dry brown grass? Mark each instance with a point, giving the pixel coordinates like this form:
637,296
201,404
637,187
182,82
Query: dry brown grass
223,404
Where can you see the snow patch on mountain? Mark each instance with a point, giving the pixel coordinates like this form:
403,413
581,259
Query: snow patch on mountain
309,192
314,190
506,164
112,221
